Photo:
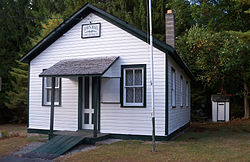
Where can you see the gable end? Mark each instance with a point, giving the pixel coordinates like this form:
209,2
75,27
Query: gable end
83,12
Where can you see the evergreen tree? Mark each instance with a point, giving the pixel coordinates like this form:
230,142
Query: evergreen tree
47,25
17,97
12,37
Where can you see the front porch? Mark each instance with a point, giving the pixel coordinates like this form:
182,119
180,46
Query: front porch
88,72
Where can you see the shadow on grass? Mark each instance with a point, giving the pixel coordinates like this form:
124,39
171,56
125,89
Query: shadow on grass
200,131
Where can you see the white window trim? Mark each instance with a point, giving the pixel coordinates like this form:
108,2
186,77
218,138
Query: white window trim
134,86
45,91
173,87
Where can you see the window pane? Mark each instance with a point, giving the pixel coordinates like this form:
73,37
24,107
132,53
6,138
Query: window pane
129,95
48,95
129,77
92,121
57,82
57,95
86,118
138,95
48,82
138,77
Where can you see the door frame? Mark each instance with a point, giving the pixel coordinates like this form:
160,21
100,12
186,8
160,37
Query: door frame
96,87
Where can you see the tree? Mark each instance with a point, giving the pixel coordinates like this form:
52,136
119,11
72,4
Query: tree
20,21
214,57
183,15
241,65
18,95
221,15
47,25
13,33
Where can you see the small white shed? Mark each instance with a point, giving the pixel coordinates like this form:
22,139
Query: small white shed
220,108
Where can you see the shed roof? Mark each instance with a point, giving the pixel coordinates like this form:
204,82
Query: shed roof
83,12
220,98
80,67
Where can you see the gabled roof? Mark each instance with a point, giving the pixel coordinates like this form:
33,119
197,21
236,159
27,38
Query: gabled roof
80,67
83,12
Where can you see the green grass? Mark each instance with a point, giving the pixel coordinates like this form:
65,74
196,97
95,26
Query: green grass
203,142
13,130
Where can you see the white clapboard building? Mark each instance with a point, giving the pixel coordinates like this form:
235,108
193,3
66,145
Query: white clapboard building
101,67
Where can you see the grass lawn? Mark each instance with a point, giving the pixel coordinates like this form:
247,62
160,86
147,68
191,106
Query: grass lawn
203,142
15,137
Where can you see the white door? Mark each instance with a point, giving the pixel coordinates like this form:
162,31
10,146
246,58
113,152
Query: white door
221,111
87,110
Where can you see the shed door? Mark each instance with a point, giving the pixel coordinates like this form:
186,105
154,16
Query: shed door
87,110
221,111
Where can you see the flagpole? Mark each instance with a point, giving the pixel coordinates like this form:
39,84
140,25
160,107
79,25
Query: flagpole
152,78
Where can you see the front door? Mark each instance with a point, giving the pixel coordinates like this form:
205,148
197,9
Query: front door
87,109
221,111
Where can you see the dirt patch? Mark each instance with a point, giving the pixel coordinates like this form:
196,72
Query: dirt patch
108,141
28,148
9,145
193,138
198,129
246,130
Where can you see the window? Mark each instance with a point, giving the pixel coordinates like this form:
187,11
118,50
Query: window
133,86
173,87
181,91
47,90
110,90
187,94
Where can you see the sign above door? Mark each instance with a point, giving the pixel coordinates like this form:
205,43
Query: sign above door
91,30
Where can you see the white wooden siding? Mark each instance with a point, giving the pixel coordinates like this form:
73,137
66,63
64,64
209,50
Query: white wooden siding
65,116
113,42
178,116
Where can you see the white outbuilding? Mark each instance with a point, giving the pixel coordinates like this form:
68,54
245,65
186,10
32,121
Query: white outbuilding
220,108
100,70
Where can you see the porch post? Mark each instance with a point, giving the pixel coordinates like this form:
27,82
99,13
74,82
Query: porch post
52,108
80,93
95,102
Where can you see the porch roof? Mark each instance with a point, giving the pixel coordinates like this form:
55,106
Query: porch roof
80,67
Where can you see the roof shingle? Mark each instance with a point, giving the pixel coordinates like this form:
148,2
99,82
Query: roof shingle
80,67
